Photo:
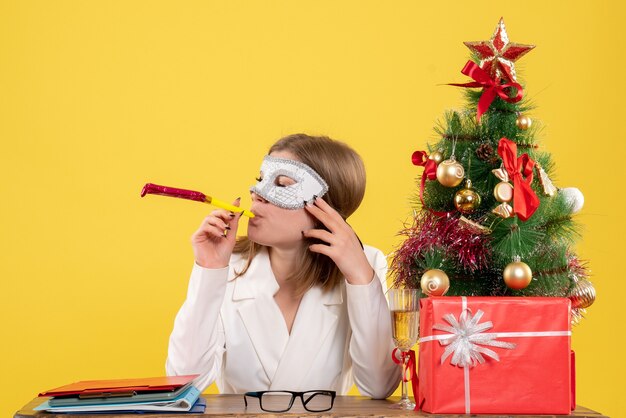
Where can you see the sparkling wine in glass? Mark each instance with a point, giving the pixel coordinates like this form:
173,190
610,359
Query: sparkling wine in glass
404,308
405,327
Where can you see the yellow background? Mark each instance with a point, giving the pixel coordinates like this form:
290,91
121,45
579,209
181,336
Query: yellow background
99,97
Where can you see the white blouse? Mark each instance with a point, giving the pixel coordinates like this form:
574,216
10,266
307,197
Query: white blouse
231,331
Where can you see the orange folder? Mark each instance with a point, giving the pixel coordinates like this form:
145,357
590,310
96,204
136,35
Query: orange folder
120,387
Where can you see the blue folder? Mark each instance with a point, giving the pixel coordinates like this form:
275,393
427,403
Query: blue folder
183,403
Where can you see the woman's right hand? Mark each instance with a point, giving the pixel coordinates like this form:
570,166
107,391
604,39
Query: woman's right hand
214,240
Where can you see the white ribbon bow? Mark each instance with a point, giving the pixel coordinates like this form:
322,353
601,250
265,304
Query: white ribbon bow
465,343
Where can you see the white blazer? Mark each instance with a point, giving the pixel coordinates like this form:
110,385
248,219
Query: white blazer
231,331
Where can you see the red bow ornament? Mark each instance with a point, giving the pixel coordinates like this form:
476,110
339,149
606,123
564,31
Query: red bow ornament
430,173
491,88
410,374
520,170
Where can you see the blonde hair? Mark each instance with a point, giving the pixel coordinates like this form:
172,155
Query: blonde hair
343,170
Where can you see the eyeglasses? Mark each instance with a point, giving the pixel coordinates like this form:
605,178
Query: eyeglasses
282,400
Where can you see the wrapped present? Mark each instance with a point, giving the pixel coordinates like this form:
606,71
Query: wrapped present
495,355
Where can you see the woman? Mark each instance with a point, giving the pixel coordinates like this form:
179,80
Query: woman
299,303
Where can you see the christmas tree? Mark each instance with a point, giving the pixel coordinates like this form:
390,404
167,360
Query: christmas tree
488,221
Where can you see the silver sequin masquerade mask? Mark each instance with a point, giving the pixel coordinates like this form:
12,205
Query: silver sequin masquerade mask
307,183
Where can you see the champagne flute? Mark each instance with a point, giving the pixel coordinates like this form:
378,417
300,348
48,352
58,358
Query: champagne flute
404,308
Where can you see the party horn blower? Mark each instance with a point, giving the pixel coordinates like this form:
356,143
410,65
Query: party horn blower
150,188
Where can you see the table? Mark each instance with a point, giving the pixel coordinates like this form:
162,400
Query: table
345,406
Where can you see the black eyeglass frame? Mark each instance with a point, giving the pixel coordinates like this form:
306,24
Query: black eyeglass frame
294,395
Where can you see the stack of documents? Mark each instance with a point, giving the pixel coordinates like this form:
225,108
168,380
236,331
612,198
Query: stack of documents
161,394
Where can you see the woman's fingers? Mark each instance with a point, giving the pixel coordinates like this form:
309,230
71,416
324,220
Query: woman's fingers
217,221
211,227
222,214
214,231
340,243
319,234
220,222
326,208
322,249
232,219
225,215
214,240
325,213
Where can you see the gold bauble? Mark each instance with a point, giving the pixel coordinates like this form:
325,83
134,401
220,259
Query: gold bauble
583,294
467,200
517,275
523,122
436,156
503,192
435,282
450,173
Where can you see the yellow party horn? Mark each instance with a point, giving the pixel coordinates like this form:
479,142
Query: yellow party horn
150,188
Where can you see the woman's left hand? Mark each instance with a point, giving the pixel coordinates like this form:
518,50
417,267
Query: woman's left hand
343,246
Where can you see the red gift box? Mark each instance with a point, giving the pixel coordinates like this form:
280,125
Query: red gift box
495,355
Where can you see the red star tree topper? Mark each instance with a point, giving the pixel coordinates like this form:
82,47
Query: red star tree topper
498,54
